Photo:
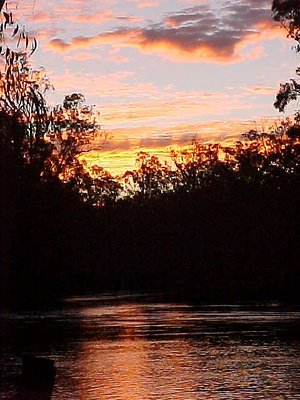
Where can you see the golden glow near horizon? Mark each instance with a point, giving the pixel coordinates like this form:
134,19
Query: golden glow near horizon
162,72
119,153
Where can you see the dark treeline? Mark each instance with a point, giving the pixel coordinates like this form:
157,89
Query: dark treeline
216,223
227,230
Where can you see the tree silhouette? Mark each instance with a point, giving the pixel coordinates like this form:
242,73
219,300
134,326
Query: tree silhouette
39,149
42,141
287,12
72,128
194,165
95,186
150,179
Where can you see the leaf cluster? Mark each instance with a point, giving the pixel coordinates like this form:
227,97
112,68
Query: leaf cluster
287,12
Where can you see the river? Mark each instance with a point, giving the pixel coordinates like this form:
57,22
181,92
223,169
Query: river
134,348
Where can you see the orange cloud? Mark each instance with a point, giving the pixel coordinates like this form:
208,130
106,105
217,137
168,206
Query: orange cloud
146,3
59,44
262,90
118,59
195,34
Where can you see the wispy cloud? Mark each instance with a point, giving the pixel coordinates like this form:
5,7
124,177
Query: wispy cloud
126,102
145,3
262,90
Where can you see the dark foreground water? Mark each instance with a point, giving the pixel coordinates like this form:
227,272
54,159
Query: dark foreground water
118,348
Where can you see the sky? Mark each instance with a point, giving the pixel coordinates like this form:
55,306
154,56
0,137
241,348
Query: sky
162,72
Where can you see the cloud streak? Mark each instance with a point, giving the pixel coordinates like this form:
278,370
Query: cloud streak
126,102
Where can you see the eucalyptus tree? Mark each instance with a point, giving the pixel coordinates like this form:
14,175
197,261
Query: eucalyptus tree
287,13
44,140
151,178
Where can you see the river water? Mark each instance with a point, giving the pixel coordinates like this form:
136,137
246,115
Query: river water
124,348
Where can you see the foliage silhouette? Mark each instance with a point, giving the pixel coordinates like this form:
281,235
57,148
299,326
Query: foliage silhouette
287,12
150,179
39,149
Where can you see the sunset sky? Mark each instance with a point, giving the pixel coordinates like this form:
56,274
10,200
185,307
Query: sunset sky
162,71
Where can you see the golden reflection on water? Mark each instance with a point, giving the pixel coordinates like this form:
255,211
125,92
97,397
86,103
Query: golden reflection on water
129,354
105,350
134,367
121,366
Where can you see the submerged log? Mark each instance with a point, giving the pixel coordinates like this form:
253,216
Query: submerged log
37,379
